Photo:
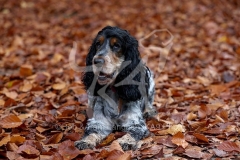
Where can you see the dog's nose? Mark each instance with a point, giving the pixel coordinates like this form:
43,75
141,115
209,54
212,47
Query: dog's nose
99,61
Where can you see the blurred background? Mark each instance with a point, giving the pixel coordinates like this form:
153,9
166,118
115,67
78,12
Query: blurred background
33,31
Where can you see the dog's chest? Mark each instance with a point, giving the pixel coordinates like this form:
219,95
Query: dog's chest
112,106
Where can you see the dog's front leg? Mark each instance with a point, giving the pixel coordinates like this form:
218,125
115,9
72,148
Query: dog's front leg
132,121
98,127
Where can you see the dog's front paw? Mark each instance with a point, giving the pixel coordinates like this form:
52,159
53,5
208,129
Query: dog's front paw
83,145
127,142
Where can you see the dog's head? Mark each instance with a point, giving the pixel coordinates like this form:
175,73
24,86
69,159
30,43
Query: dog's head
111,47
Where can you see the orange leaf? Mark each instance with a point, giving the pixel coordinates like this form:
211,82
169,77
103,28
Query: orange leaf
68,150
26,70
108,140
103,154
5,140
17,139
55,138
59,86
28,151
200,137
179,140
10,121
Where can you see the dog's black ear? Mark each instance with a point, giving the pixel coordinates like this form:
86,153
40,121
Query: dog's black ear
130,91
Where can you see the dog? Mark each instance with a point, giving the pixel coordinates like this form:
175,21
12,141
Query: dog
120,89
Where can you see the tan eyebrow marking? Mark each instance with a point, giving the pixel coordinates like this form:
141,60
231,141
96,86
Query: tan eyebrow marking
101,39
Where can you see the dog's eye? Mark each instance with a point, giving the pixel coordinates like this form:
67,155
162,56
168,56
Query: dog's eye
116,46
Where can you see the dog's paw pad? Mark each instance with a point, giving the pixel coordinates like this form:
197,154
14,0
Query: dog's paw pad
83,145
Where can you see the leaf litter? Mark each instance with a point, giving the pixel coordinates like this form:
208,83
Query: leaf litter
43,102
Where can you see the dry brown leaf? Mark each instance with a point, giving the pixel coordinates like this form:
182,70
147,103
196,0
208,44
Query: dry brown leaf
28,151
67,150
56,138
12,155
108,140
59,86
12,94
191,116
153,150
115,146
17,139
125,156
103,154
10,121
193,153
175,129
228,146
5,140
12,147
200,137
217,89
179,140
2,102
114,154
26,70
26,87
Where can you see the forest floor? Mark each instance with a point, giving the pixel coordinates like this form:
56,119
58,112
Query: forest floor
196,66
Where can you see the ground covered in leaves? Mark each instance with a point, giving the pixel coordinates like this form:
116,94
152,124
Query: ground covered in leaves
43,103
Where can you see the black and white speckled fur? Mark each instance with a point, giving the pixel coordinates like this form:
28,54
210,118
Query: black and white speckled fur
117,105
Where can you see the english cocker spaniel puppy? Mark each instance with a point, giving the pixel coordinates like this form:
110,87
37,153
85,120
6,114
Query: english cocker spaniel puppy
120,89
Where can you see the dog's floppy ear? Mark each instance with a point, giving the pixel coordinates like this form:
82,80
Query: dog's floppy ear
130,92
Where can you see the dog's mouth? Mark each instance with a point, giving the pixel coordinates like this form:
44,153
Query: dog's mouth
103,77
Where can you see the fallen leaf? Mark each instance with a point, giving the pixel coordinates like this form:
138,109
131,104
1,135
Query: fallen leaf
59,86
228,146
175,129
179,140
28,151
125,156
67,150
153,150
26,70
12,94
5,140
10,121
27,86
114,154
108,140
115,146
200,137
193,153
54,139
17,139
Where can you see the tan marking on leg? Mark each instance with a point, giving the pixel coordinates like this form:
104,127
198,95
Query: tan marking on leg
93,139
127,138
